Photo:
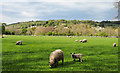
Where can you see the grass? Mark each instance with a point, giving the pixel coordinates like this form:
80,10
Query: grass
33,55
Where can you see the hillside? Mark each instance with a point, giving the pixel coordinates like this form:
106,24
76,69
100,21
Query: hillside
64,27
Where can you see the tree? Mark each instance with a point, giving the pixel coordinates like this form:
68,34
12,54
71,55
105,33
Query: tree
7,32
74,21
77,34
24,31
42,33
49,33
3,28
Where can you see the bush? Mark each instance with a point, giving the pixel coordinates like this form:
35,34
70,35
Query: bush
42,33
77,34
103,34
49,33
13,33
90,34
24,31
97,34
63,34
53,34
65,25
7,32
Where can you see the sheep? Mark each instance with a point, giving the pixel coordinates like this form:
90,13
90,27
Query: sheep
74,56
4,36
76,40
56,56
19,43
70,37
114,44
84,40
80,40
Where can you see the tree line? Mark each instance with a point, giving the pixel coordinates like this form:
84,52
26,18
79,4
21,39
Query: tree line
62,27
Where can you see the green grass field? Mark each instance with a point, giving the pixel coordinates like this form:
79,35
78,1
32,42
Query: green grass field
33,55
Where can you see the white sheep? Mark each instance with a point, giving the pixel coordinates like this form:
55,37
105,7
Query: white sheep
76,40
84,40
114,44
78,56
80,40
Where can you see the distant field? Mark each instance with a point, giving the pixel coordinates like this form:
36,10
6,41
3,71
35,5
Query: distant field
33,55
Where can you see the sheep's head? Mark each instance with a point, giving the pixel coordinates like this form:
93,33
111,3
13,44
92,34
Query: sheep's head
17,43
51,63
114,44
72,54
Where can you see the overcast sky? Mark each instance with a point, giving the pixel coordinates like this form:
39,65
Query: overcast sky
13,12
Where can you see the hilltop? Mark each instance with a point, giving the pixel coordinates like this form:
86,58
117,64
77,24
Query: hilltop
63,27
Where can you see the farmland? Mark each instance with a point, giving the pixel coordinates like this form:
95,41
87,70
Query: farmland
33,55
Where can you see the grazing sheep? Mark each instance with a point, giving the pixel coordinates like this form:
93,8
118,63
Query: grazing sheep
70,37
80,40
76,40
84,40
19,43
4,36
56,56
78,56
114,44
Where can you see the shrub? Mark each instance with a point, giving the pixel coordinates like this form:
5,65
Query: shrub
65,25
24,31
49,33
77,34
96,34
103,34
42,33
13,33
63,34
7,32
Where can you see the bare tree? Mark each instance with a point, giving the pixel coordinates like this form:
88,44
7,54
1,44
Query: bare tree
117,5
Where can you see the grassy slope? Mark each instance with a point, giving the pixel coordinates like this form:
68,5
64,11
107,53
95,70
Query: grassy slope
33,55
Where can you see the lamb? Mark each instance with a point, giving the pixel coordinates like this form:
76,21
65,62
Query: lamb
19,43
56,56
74,56
70,37
4,36
84,40
76,40
114,44
80,40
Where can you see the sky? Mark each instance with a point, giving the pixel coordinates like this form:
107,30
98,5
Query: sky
24,10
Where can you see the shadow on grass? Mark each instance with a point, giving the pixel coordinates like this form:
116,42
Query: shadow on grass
20,45
20,64
67,64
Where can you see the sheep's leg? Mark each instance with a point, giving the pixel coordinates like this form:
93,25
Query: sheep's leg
74,59
57,63
81,59
62,61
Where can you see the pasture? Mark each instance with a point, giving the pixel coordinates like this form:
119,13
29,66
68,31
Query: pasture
33,55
